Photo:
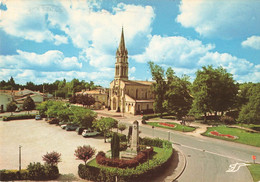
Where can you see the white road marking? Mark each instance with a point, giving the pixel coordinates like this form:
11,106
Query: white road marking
214,153
235,167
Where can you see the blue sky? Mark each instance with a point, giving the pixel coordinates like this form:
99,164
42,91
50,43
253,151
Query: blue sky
43,41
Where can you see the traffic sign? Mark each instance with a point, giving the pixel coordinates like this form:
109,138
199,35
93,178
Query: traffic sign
253,157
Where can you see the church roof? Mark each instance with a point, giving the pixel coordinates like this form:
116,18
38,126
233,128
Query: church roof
138,82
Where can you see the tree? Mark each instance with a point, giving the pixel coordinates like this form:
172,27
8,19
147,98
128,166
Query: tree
104,125
85,100
43,107
52,158
158,87
73,99
121,127
177,97
84,117
11,107
115,145
250,111
84,153
214,90
28,104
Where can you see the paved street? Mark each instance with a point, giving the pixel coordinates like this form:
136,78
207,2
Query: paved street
37,138
208,159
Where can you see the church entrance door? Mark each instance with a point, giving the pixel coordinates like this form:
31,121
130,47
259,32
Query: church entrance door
114,103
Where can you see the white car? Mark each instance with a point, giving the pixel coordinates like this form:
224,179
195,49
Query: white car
63,126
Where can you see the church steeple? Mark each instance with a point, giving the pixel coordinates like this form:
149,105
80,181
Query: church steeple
121,66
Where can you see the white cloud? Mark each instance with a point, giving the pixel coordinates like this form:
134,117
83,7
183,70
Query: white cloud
253,42
226,19
52,60
175,51
187,56
30,20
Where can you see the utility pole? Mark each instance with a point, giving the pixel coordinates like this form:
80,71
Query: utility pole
20,158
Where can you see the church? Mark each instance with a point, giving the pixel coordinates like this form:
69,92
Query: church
128,96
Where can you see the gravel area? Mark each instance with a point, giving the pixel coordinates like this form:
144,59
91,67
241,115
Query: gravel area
37,138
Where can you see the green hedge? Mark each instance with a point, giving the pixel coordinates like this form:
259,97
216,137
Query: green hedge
159,162
10,175
34,171
21,116
149,116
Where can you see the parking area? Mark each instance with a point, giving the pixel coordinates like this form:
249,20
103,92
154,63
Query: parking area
37,138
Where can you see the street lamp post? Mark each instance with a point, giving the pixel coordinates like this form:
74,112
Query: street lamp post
153,130
20,158
169,136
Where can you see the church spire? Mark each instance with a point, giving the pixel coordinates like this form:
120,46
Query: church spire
121,67
122,42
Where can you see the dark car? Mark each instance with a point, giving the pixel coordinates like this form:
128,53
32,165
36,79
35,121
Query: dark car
71,127
54,121
38,117
79,130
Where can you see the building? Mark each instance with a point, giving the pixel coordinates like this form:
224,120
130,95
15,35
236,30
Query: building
5,99
100,95
6,96
128,96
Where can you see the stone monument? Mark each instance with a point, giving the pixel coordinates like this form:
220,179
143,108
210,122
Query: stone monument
135,137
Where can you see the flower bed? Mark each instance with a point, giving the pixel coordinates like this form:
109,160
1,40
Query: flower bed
167,124
223,135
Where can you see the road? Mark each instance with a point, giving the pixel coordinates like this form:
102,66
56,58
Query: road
208,159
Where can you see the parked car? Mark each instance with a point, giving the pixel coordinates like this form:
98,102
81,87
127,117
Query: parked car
63,126
90,133
71,127
38,117
53,121
79,130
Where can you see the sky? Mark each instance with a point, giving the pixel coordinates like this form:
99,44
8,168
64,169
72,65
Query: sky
47,40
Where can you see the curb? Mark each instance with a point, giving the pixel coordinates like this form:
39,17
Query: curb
181,165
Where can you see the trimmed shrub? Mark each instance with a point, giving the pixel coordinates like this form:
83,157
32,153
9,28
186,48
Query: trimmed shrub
122,137
51,172
152,142
122,146
227,120
115,145
149,116
121,163
17,117
10,175
37,171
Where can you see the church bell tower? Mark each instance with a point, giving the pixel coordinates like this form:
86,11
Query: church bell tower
121,66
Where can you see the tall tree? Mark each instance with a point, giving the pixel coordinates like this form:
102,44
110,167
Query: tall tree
158,87
214,90
84,117
177,97
104,125
28,104
250,111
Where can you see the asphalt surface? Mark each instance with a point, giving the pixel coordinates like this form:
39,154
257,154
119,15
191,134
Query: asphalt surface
209,159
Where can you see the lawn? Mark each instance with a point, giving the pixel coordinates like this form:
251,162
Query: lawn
177,128
244,137
255,171
251,126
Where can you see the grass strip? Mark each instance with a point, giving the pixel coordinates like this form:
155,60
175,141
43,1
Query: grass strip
245,137
177,128
255,171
